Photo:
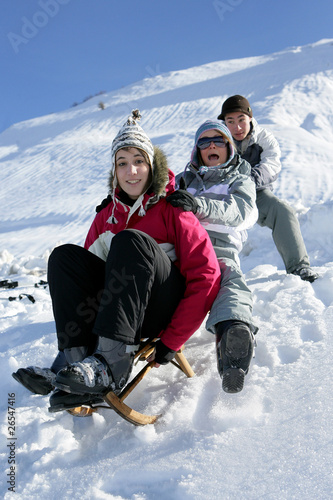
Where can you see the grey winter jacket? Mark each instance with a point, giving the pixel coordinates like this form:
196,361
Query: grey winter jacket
226,200
262,151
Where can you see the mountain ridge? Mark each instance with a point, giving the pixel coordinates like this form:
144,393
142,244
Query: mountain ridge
48,163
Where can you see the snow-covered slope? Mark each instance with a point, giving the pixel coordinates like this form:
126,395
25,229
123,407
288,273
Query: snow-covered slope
271,441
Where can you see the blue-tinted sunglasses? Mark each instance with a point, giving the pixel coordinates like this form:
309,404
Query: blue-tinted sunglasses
205,142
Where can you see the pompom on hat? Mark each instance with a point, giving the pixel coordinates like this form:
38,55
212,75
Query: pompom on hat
131,135
235,103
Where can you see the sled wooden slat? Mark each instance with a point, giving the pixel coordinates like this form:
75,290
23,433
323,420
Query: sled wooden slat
131,385
82,411
183,364
132,416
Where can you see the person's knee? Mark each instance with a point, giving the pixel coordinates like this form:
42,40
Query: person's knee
133,240
282,212
277,210
128,235
59,253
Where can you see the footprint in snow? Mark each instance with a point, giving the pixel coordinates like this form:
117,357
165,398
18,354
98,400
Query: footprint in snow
311,333
288,354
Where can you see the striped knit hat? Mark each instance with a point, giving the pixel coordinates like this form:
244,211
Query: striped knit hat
131,135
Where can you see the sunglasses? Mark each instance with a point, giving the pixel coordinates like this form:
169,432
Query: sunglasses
205,142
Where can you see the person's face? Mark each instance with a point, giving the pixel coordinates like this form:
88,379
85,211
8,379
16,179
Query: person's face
133,172
239,124
214,155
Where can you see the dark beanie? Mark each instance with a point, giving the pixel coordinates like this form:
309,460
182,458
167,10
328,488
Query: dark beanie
235,103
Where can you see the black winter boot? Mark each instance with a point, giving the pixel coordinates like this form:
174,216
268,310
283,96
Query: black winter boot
108,369
40,380
61,400
37,380
306,273
234,349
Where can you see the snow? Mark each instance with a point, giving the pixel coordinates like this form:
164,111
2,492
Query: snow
274,439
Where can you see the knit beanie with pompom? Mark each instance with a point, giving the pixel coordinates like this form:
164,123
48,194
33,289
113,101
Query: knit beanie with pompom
131,135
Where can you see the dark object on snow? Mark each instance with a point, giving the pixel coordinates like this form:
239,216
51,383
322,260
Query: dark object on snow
21,296
8,284
41,284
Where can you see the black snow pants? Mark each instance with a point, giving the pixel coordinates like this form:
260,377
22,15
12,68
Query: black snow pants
132,295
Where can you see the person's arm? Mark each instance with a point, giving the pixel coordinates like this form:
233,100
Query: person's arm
98,239
232,204
198,264
237,208
267,170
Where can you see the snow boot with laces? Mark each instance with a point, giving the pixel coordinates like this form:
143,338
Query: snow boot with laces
108,369
41,380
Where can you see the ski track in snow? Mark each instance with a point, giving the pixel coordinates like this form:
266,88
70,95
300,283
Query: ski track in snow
274,439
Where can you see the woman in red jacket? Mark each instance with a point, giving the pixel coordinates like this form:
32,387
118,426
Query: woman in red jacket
147,269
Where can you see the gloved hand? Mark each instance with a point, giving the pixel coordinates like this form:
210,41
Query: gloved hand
163,354
104,203
184,200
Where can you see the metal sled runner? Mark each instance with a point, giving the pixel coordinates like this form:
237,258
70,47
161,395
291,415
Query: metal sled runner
116,402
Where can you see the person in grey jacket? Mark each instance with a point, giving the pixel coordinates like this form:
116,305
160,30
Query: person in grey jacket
260,148
217,187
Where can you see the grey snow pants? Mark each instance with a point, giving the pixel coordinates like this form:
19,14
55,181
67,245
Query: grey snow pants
280,217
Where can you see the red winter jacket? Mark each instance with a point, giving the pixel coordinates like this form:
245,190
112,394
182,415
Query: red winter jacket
183,238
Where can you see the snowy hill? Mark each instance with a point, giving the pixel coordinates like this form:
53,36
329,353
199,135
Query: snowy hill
273,440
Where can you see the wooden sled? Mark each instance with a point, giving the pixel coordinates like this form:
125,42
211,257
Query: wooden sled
82,411
116,402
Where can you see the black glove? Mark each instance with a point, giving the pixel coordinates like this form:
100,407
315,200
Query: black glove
163,354
104,203
184,200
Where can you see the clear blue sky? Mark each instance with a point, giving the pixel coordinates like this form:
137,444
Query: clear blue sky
57,52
